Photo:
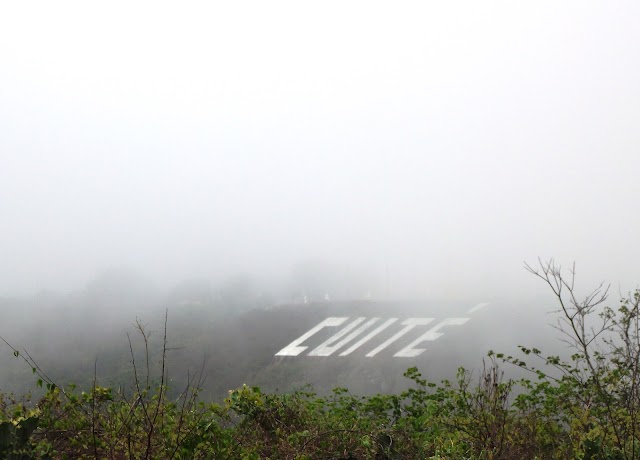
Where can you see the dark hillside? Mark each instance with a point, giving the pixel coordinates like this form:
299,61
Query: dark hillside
243,349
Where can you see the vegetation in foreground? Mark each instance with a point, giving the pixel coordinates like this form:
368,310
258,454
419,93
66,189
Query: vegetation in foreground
584,407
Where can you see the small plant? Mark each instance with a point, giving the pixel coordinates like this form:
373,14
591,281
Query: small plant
592,399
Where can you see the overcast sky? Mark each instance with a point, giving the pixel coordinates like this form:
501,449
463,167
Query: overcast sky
440,144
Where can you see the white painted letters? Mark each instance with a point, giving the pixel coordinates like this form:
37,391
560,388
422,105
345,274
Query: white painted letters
432,334
409,324
360,325
293,349
369,336
327,348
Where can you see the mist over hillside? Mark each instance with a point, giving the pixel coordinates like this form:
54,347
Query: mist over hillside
257,168
236,332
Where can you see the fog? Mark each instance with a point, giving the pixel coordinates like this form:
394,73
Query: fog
417,150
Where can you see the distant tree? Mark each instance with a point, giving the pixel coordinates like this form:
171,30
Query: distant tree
191,292
118,287
239,293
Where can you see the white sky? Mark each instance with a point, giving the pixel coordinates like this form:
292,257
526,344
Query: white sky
443,142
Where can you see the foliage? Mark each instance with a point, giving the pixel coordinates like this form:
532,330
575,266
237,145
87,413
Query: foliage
594,396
